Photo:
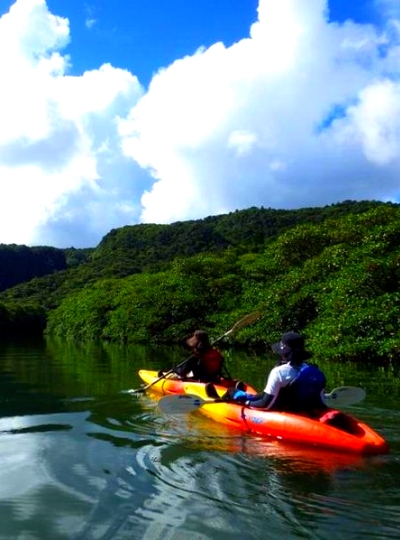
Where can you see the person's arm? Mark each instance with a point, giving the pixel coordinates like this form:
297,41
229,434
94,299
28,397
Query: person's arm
265,399
261,400
186,367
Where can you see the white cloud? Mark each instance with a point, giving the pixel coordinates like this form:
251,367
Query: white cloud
242,141
58,135
374,123
254,124
90,12
300,112
89,23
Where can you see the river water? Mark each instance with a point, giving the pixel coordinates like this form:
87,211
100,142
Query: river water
82,459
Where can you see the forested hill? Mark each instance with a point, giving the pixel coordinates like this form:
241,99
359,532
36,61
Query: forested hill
22,263
332,273
149,245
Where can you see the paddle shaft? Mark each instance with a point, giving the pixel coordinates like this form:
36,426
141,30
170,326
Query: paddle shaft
245,321
185,403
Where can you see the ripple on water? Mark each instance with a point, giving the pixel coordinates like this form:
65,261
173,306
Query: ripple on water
122,469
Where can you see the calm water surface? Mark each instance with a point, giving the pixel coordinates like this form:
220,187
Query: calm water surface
81,459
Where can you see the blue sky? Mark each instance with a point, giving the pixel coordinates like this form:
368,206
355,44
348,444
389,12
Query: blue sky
144,36
123,112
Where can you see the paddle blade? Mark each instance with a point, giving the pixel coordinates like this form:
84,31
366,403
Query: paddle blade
345,395
133,391
248,319
180,403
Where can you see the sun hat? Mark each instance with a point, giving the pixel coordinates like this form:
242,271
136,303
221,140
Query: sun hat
199,340
291,347
291,340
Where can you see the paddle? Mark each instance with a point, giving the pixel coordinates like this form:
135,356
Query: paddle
245,321
185,403
345,395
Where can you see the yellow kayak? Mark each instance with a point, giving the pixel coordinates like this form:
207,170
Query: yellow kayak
169,385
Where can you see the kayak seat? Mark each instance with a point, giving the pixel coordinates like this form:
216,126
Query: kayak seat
211,391
168,374
342,421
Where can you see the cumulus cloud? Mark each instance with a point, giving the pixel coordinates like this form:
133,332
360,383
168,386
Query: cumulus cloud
300,112
59,145
374,123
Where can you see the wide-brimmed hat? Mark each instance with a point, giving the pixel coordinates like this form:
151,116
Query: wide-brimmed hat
199,339
291,346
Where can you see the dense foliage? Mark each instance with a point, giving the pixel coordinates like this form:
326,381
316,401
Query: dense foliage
148,248
332,273
22,263
26,319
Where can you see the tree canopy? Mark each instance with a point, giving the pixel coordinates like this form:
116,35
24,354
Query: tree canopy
332,273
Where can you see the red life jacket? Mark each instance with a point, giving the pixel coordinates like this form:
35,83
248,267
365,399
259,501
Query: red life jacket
211,362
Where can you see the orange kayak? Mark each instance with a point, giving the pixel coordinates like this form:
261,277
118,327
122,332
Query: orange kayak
178,386
333,430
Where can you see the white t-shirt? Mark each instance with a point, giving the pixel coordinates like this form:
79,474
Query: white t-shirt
279,377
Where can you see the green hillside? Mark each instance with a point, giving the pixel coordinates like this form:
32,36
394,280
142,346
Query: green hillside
332,273
148,248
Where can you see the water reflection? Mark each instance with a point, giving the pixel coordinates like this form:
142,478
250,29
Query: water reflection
82,460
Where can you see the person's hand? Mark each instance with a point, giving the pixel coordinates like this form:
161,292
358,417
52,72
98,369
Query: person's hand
239,395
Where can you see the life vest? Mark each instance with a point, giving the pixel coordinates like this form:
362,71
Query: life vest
308,384
211,362
304,392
